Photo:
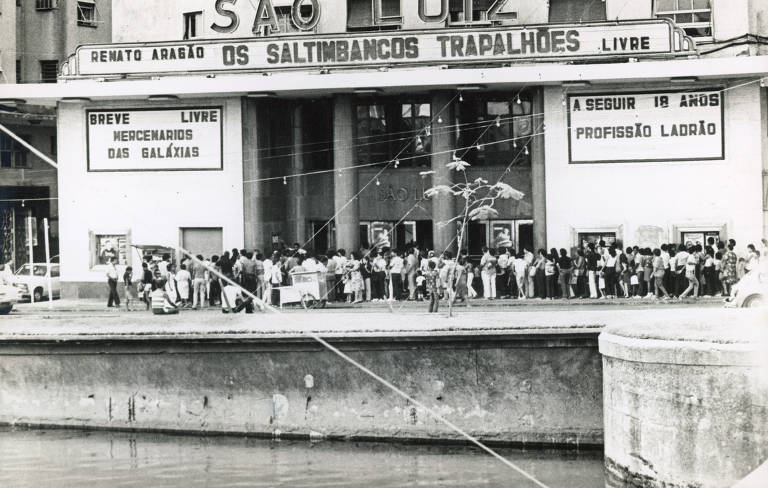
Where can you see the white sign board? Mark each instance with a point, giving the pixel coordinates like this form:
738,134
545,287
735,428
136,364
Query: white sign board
443,46
642,127
154,139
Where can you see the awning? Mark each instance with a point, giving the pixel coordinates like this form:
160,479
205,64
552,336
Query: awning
304,84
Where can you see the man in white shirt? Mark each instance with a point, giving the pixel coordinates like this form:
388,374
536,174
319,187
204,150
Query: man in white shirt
412,266
341,263
521,273
395,270
114,298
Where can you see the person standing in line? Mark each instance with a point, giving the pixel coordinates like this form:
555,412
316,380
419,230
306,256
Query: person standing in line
130,290
565,265
658,274
396,270
488,274
366,272
341,272
690,274
550,274
609,273
114,298
275,279
502,276
432,279
461,286
681,261
708,271
214,285
198,283
666,258
728,266
521,275
248,271
171,285
183,279
592,259
330,274
412,266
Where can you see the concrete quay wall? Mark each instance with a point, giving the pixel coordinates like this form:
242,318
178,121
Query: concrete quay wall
519,386
685,406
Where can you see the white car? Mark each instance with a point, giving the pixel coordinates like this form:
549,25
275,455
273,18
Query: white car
751,291
9,295
36,282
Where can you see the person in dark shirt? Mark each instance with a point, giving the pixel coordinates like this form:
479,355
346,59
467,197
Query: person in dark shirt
146,281
565,265
592,259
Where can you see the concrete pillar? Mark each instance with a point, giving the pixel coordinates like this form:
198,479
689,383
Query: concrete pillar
297,187
345,181
255,142
443,143
538,181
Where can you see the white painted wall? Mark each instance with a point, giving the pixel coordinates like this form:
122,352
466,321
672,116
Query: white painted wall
152,205
668,194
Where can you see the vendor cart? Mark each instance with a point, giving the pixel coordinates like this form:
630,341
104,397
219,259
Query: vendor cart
307,288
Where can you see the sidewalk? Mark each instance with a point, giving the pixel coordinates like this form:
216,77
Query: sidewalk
91,305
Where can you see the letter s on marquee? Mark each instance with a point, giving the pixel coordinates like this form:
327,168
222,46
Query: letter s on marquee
234,20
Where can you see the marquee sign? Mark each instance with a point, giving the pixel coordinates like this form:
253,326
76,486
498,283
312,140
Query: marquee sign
154,139
438,46
642,127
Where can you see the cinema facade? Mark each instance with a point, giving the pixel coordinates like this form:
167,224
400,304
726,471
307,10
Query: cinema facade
328,135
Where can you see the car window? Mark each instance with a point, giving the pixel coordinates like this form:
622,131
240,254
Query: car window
38,270
54,272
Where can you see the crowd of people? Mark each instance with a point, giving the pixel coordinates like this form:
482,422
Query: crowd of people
597,271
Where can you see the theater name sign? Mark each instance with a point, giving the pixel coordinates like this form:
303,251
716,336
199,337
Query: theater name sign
469,44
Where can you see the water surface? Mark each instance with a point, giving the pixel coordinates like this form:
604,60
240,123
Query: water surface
63,458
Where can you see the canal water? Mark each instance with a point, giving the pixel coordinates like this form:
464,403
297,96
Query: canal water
64,458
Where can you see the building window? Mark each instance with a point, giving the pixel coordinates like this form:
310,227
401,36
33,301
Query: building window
587,238
54,146
694,16
107,246
576,11
49,71
360,15
18,71
479,11
12,153
46,4
192,23
86,14
495,131
394,130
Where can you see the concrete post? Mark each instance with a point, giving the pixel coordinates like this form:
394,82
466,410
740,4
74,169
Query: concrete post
538,181
345,180
255,140
297,187
443,143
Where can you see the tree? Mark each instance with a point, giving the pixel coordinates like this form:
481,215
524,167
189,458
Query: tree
478,198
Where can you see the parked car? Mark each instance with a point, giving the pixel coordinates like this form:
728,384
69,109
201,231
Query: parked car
9,295
36,282
750,291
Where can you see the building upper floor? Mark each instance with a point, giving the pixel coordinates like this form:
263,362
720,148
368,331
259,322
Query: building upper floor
719,27
37,35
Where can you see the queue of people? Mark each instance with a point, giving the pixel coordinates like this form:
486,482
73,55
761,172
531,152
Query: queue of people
597,271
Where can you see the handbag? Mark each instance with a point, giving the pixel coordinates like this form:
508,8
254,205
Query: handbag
633,280
532,271
601,282
574,280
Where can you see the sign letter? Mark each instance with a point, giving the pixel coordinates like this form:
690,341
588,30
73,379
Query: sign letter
433,18
303,23
234,20
266,18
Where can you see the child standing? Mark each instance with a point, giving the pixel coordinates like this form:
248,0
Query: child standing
183,279
433,287
420,290
130,291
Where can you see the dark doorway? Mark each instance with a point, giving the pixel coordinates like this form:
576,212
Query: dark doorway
525,237
424,234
